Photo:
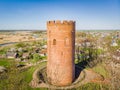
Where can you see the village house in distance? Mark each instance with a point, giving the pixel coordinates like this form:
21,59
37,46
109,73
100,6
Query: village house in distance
61,52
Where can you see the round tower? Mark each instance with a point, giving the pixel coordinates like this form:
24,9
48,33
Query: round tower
61,51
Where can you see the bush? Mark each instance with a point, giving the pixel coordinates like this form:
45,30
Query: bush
21,44
20,54
42,57
36,57
3,50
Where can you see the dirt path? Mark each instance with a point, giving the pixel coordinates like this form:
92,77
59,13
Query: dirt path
90,76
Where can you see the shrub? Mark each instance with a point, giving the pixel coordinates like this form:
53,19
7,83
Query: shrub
21,44
36,57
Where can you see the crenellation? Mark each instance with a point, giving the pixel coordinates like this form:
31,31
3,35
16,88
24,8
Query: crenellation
71,22
58,22
65,22
52,22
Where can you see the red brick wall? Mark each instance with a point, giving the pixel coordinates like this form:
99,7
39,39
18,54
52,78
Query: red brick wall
61,46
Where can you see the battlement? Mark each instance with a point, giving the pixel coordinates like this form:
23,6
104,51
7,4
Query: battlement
58,22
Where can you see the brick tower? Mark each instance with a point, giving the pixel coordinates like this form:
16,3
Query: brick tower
61,51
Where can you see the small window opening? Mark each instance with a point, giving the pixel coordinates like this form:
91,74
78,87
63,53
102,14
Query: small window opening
54,41
67,41
61,53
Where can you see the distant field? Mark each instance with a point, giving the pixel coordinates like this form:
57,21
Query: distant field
9,36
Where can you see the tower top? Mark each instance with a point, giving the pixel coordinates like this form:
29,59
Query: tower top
58,22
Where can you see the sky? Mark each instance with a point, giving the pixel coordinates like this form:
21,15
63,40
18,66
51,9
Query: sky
33,14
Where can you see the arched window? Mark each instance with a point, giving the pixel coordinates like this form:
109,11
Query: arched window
67,41
61,53
54,41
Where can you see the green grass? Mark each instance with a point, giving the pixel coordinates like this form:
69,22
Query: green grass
2,51
100,69
29,88
99,51
23,77
94,86
28,73
22,63
5,62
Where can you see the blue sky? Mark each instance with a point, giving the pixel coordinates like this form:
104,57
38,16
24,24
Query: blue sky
33,14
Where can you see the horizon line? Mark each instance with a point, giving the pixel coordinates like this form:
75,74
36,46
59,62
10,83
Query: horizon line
46,29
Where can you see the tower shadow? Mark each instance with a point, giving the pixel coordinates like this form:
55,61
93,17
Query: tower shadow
90,62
